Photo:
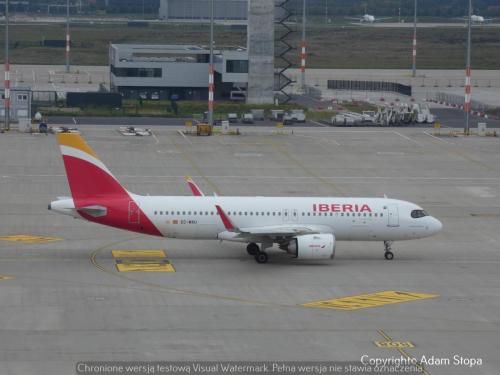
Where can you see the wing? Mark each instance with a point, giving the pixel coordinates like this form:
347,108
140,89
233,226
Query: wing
383,18
270,232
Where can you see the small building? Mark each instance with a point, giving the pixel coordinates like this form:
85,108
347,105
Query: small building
180,71
20,104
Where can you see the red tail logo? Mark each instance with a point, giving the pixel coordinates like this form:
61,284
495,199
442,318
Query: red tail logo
97,194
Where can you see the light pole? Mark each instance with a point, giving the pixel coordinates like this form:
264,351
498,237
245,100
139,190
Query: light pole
7,70
211,83
326,11
414,74
68,39
467,104
303,52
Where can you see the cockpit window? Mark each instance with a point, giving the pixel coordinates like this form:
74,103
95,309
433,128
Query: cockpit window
418,214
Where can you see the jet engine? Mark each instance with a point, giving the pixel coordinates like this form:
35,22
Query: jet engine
312,246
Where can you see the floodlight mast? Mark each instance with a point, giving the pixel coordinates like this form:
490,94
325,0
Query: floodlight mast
7,100
467,104
68,39
303,47
211,82
415,41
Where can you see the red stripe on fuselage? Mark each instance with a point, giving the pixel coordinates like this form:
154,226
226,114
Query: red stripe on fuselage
91,186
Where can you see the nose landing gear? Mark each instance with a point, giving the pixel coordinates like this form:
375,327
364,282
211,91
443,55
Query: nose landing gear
389,255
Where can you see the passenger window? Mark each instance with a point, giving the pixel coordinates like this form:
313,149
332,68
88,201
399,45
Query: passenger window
381,215
155,212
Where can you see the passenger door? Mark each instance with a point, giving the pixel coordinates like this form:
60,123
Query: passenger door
134,213
392,215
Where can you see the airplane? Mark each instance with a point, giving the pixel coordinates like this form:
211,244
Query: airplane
478,19
304,227
368,18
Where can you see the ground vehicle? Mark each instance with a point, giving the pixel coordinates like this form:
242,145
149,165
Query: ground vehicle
247,118
295,115
232,117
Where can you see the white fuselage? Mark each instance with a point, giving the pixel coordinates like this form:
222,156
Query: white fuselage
368,18
477,19
351,219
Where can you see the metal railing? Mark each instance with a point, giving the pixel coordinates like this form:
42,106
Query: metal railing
457,100
370,86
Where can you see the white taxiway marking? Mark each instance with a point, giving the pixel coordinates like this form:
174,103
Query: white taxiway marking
74,121
184,136
319,123
156,138
405,137
439,139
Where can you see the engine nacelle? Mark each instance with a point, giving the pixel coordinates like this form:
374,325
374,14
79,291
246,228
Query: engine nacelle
312,246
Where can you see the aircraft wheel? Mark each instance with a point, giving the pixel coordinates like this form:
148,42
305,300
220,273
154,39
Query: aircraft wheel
261,257
389,255
253,249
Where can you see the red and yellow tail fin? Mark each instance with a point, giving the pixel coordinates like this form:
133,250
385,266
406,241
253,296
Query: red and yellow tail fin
97,194
88,177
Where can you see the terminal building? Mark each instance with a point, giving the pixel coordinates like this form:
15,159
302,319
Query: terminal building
176,71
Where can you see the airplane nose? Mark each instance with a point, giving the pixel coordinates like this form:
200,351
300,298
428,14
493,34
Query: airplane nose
436,225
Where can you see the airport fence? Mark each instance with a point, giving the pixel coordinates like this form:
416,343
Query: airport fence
94,99
44,98
380,86
457,101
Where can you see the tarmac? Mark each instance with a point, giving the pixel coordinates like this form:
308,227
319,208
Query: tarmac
63,300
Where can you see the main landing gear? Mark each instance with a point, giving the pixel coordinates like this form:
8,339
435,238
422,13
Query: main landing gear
389,255
254,250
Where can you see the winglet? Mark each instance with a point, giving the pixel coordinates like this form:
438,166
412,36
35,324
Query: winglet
225,220
194,188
